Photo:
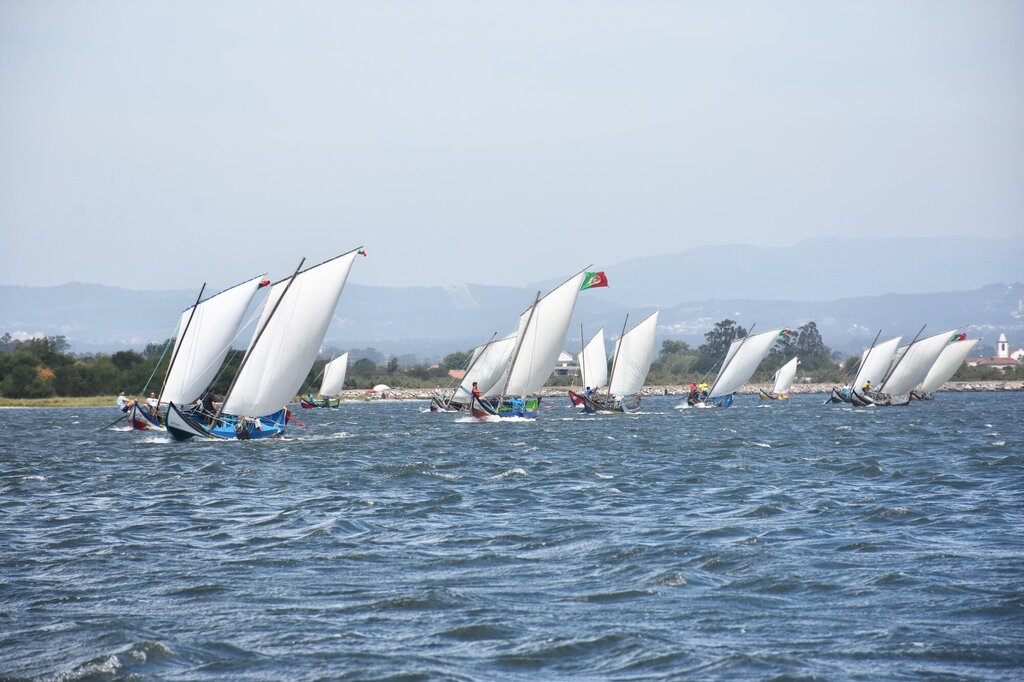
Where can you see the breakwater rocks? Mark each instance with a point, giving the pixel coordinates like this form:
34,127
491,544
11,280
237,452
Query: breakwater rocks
682,390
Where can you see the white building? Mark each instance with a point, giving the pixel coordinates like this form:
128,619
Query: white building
1002,347
1003,358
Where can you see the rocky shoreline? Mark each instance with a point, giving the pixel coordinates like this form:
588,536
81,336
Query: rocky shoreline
682,390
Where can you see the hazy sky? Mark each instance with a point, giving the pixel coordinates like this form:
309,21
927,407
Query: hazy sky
163,144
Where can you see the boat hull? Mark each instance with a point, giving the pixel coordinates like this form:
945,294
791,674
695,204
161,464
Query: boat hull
490,408
773,396
313,403
184,425
438,404
593,405
837,396
141,419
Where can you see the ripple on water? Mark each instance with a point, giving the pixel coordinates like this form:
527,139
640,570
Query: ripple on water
384,542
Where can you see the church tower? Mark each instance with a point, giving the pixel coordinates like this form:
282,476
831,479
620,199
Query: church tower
1002,347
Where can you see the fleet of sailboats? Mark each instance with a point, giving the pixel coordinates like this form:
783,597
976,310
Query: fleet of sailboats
503,376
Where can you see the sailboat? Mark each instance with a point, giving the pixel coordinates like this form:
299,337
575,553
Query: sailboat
538,341
740,363
874,364
909,369
634,352
784,378
205,332
950,360
593,363
289,333
486,366
330,387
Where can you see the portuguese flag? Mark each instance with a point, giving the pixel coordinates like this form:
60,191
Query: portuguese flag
592,280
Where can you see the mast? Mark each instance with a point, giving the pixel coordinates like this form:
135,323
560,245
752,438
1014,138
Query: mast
615,360
519,347
583,359
729,361
184,331
252,345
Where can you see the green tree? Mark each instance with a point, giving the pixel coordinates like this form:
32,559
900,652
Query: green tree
813,352
716,345
363,368
392,365
23,378
457,360
671,346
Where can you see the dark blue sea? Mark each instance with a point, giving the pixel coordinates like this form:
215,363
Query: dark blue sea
786,540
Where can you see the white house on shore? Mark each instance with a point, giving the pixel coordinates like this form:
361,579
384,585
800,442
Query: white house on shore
1003,358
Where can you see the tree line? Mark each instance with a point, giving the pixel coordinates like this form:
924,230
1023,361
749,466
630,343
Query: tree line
45,367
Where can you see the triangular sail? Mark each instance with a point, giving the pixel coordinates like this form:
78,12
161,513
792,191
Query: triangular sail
741,362
918,358
785,376
334,376
945,367
594,362
204,338
487,368
541,337
633,358
288,338
875,362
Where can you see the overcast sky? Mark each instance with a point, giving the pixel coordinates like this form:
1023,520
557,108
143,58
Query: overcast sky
163,144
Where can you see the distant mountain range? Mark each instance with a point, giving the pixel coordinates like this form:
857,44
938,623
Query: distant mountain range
695,289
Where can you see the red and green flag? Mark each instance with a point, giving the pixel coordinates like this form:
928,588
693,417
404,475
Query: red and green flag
786,332
362,252
592,280
959,337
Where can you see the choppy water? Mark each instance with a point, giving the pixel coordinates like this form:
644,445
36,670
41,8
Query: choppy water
784,540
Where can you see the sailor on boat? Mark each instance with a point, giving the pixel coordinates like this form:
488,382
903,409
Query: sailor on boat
124,403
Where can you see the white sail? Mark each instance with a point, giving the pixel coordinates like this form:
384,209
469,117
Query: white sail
204,338
634,353
541,335
785,376
913,367
741,362
491,361
334,376
950,360
875,362
289,334
594,362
